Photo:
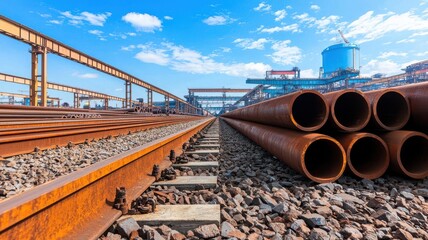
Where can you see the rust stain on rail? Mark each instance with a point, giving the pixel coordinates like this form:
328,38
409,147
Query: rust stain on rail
79,205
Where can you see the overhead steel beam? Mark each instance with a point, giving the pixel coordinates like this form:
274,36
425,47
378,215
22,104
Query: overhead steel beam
219,90
58,87
25,34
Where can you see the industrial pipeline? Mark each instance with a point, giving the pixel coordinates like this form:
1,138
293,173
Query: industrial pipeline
316,156
305,110
390,109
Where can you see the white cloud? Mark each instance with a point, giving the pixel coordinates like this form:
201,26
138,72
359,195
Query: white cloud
326,24
95,32
248,43
289,7
406,40
387,67
143,21
218,20
262,7
132,34
315,7
369,26
58,22
156,56
128,48
45,15
285,54
417,34
118,89
291,28
422,54
392,54
308,73
183,59
168,18
85,75
225,49
91,18
280,14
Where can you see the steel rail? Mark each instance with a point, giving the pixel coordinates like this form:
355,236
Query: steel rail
79,205
26,143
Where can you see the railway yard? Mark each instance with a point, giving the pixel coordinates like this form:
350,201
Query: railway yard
328,161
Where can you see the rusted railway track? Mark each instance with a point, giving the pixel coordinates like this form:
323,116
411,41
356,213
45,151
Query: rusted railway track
19,141
79,205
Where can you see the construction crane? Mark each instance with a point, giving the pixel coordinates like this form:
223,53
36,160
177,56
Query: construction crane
343,36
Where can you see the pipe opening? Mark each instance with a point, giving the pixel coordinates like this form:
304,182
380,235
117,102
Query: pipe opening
369,157
309,110
393,110
414,155
324,159
352,110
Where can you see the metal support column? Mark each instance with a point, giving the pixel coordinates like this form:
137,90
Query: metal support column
44,79
34,86
128,97
167,103
150,99
76,100
105,103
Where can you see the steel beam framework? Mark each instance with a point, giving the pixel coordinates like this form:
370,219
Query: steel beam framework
35,39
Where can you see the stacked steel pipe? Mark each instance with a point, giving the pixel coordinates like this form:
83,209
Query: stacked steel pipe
318,135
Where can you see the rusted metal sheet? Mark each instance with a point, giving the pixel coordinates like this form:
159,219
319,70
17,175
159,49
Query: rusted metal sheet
349,110
80,205
390,109
409,153
304,110
367,155
417,94
316,156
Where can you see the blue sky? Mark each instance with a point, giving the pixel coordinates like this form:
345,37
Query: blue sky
180,44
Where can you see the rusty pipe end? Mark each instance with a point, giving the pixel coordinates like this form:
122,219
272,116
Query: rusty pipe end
367,155
391,110
309,111
350,110
409,153
323,160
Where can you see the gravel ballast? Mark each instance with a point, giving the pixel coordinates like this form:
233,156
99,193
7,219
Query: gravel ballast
23,172
261,198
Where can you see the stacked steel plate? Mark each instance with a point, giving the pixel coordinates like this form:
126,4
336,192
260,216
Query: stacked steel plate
321,136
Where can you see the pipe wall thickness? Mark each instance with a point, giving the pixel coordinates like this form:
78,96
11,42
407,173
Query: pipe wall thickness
418,98
409,153
305,110
390,109
349,110
316,156
367,155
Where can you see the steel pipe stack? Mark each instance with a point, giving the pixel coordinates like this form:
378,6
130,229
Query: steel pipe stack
316,156
282,125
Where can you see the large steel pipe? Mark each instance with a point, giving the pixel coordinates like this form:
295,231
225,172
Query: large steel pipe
418,98
316,156
367,155
409,153
349,110
305,110
390,109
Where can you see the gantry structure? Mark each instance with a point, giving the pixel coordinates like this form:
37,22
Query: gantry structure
217,103
41,45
